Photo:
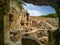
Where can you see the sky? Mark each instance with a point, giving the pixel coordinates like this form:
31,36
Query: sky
35,10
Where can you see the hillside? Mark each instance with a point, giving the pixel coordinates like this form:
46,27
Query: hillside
50,15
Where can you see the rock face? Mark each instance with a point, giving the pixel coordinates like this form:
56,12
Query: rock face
8,18
42,2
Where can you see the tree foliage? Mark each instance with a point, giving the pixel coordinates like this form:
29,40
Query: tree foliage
17,3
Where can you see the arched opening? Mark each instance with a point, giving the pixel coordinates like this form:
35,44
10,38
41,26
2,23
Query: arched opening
47,13
29,41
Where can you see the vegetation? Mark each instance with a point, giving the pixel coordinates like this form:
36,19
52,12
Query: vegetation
50,15
17,4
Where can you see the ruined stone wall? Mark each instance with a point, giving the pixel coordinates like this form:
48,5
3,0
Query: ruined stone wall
20,19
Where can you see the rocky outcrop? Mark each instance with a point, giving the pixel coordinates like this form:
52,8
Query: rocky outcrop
39,22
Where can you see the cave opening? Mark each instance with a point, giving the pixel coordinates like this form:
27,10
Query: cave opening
43,12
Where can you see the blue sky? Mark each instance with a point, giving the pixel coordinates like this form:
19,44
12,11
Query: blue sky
35,10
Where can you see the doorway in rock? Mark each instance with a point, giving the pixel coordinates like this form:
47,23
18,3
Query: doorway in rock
28,41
